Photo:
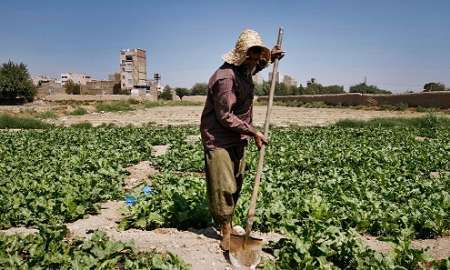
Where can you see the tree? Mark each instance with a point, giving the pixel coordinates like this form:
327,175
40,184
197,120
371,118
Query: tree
117,89
433,86
333,89
199,89
315,88
262,89
181,92
72,88
363,88
15,83
166,94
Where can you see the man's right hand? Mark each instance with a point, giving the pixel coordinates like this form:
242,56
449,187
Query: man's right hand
260,139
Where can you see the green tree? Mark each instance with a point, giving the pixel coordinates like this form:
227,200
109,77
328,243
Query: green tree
166,94
333,89
315,88
199,89
281,89
72,88
15,82
262,89
181,92
300,90
363,88
434,86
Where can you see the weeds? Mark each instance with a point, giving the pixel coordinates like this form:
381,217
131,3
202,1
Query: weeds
115,106
7,121
78,111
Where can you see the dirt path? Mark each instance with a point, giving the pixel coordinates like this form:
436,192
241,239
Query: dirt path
190,115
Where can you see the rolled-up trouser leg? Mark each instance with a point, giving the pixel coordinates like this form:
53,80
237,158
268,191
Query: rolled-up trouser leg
224,174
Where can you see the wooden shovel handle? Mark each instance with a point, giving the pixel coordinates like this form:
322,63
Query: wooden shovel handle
262,151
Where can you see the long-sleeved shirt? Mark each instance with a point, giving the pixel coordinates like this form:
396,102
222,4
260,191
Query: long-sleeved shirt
227,117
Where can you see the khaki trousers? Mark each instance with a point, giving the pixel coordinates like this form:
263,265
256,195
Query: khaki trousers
224,175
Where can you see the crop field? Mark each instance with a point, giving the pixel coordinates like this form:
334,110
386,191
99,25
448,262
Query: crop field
322,189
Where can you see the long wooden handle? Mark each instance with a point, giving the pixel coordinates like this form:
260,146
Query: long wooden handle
262,151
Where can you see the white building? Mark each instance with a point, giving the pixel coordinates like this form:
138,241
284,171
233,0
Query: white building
289,81
77,78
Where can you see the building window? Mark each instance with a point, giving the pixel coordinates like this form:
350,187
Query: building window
129,58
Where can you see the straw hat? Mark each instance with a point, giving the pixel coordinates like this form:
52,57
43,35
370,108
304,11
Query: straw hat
247,39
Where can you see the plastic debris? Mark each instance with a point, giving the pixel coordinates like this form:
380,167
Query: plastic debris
130,200
147,190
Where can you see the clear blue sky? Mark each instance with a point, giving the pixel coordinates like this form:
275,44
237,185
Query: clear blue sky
397,44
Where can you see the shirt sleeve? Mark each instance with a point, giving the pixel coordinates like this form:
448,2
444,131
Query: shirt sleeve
224,99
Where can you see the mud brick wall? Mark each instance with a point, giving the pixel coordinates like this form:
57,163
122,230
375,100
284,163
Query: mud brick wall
430,99
433,99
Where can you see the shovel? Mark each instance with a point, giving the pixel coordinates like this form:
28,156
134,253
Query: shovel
245,251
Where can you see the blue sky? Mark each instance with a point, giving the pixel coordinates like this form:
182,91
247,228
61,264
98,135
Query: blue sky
397,44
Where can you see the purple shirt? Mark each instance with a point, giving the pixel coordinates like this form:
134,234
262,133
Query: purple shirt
227,117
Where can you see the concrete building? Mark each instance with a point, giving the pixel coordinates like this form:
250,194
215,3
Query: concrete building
133,69
289,81
78,78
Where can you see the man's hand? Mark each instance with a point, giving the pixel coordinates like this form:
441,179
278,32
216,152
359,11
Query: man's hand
260,139
276,53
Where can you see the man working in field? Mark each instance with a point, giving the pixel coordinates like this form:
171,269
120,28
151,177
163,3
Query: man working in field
226,125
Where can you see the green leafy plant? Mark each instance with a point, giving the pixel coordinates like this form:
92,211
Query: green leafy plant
50,250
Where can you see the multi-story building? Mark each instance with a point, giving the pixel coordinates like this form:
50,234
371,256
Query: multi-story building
78,78
133,69
289,81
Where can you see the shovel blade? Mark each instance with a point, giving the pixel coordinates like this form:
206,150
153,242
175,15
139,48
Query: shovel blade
245,253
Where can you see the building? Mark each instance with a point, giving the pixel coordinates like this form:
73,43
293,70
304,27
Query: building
78,78
100,87
133,69
277,77
289,81
38,80
114,77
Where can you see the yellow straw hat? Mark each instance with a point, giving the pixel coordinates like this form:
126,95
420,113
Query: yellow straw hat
247,39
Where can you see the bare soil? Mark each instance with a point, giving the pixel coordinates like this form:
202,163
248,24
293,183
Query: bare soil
190,115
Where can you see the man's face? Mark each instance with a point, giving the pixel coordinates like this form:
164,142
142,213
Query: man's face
254,57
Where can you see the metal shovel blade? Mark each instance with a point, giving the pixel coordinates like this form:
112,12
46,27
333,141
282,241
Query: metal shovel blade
245,253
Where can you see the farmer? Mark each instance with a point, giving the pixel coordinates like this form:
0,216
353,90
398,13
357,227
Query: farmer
226,125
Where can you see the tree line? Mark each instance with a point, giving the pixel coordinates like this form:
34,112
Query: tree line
281,89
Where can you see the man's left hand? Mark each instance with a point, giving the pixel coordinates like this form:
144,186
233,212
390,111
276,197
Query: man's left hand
276,53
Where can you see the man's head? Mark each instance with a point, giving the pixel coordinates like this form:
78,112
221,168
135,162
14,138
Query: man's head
249,50
255,58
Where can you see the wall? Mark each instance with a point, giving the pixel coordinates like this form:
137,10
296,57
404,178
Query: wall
98,88
430,99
